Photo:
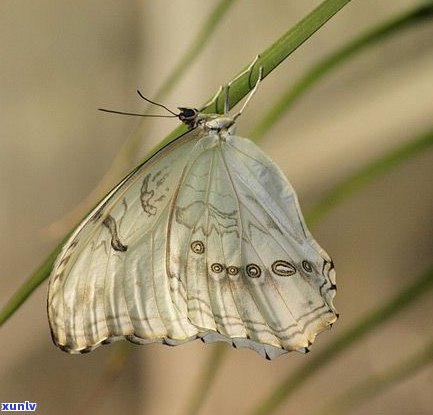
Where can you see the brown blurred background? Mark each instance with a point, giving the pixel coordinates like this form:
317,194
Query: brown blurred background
60,61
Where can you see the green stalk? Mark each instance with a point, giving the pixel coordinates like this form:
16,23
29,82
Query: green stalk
129,150
40,275
269,59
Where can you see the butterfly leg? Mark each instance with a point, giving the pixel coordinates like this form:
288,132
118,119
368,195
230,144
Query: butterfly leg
249,71
213,100
251,94
226,88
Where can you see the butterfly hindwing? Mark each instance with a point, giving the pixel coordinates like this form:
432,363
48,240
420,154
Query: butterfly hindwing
243,243
290,261
206,218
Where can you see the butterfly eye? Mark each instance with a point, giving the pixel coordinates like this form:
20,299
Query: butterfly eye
197,247
253,270
188,115
189,112
217,268
283,268
307,266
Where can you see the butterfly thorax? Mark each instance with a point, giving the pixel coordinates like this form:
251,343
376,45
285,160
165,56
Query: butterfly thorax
218,124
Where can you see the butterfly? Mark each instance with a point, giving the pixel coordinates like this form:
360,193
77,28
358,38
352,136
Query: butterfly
204,240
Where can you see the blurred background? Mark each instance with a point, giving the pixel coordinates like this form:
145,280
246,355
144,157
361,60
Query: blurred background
60,61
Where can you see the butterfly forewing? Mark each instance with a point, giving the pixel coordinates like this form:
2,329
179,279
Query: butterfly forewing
103,283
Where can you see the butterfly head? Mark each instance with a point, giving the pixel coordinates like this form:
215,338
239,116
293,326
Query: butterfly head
188,116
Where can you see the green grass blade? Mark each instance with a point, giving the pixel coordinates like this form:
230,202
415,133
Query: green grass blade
317,72
270,59
377,384
368,174
283,47
407,296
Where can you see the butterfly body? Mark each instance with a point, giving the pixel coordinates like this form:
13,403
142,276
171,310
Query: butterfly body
204,240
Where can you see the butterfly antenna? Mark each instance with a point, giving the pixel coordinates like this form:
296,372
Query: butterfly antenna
174,115
137,114
156,103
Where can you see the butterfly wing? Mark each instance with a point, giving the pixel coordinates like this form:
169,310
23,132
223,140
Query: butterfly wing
239,247
204,240
110,279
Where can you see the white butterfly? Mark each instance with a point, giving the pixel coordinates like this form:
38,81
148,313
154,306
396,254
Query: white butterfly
204,240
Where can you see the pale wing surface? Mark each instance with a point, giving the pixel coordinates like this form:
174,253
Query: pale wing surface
239,247
110,280
204,240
